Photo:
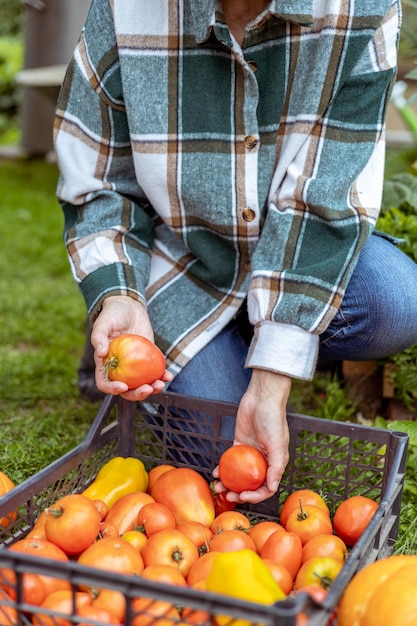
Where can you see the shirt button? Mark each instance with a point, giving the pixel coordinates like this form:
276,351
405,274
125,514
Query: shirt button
250,142
253,65
248,215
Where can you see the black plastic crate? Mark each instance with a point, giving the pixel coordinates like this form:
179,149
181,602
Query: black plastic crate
338,458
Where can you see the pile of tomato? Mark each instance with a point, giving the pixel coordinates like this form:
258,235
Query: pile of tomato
171,531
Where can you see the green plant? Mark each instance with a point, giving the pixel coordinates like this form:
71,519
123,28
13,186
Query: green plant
11,59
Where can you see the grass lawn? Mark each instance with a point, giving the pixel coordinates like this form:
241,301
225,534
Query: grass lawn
42,334
42,325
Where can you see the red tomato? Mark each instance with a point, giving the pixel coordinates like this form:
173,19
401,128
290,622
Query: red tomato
325,545
232,540
307,521
230,520
155,516
352,517
261,531
113,554
319,570
285,548
242,468
72,523
170,547
221,503
305,496
187,494
134,360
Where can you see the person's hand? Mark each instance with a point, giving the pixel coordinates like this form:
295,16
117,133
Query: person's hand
261,421
119,315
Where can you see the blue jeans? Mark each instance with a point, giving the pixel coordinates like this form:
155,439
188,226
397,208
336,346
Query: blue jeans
377,318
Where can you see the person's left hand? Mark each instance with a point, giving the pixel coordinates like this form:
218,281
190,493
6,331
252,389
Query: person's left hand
261,421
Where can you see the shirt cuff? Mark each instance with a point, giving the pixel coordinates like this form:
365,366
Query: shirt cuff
285,349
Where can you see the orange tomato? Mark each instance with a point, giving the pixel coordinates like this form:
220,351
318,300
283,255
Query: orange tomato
200,535
108,530
169,574
230,520
33,587
136,538
242,468
96,613
44,549
231,540
124,512
190,615
201,568
113,554
134,360
6,485
60,602
8,615
307,521
101,507
285,548
110,600
261,531
305,496
170,547
155,516
325,545
150,612
281,575
187,494
38,529
352,517
72,523
156,472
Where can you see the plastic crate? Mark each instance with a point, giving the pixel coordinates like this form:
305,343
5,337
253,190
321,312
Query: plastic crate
338,458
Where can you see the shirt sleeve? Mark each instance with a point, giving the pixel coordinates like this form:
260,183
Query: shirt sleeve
324,204
109,224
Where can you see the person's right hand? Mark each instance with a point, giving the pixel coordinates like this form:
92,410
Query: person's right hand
119,315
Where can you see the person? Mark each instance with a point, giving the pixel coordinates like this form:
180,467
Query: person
221,167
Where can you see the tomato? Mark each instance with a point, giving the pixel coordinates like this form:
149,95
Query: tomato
6,485
156,472
190,615
163,573
305,496
221,503
38,529
8,616
261,531
111,600
72,523
325,545
201,568
136,538
151,612
187,494
101,507
155,516
107,529
307,521
134,360
96,613
281,575
285,548
242,468
318,595
124,512
231,541
44,549
61,602
113,554
352,517
170,547
230,520
33,587
200,535
319,570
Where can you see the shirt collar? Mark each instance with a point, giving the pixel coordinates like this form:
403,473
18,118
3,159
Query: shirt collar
297,11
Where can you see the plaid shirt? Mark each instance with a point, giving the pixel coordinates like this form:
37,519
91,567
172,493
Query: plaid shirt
196,173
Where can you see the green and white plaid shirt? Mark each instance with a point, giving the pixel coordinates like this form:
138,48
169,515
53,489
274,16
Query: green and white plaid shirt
196,173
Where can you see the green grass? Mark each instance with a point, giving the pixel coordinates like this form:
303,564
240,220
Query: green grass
42,325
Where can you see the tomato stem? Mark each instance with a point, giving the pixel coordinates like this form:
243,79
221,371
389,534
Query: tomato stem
302,515
177,555
55,512
110,364
325,581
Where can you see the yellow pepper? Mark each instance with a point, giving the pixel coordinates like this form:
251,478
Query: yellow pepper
242,574
118,477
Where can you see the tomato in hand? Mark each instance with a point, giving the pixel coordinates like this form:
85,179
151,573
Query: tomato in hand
134,360
352,517
221,503
242,468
